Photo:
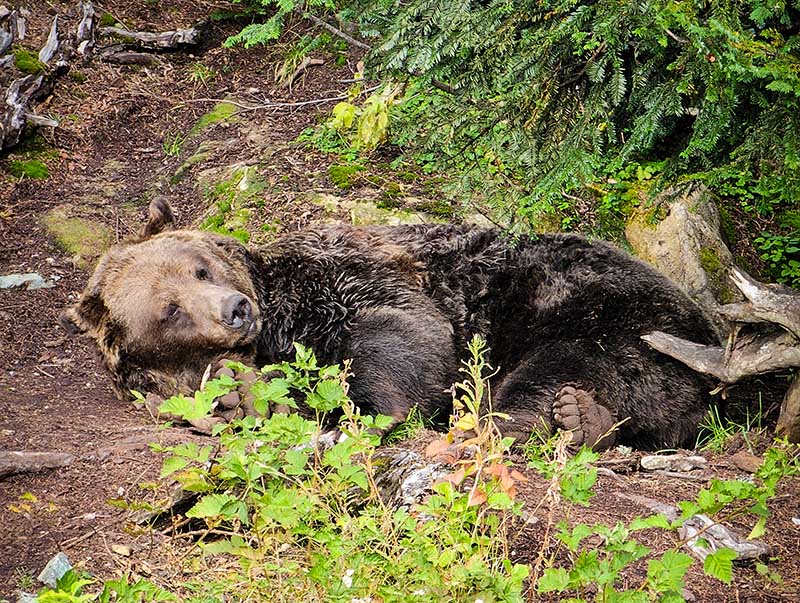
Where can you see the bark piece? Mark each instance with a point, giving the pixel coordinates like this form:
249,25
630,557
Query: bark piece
165,40
50,48
13,462
789,420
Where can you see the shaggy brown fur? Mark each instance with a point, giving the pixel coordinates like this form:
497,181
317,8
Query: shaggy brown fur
402,303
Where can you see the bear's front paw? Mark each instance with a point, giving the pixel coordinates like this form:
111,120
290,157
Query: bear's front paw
237,403
575,410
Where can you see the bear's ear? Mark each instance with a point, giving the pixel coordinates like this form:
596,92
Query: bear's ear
87,315
90,311
161,218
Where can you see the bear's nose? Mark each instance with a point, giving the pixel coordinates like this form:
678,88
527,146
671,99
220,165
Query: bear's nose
236,310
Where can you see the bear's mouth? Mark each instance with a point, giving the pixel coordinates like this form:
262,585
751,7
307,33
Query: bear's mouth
249,330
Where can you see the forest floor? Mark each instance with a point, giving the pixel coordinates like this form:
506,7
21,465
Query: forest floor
125,133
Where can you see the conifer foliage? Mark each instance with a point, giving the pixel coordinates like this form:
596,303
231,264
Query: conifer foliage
542,98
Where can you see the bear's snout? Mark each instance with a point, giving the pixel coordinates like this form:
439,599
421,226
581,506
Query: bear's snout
237,311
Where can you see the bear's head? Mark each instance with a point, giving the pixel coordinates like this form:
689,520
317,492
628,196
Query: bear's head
164,305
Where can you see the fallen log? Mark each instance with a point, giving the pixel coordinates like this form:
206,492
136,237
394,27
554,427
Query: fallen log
13,462
165,40
754,353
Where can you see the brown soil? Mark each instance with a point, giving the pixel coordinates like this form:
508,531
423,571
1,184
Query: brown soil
108,162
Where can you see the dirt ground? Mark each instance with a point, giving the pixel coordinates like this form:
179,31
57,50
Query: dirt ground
106,160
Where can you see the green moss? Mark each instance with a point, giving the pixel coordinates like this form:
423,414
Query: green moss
727,225
222,112
82,238
710,262
408,176
344,176
229,197
107,20
27,61
28,168
77,76
716,272
438,207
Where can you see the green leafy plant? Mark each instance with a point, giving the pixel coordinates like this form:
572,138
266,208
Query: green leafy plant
271,29
782,255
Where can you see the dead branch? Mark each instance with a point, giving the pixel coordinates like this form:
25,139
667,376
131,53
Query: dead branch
51,46
305,64
757,355
12,463
146,40
765,303
337,32
85,37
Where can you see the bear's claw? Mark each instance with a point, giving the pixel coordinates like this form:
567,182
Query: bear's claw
575,410
237,403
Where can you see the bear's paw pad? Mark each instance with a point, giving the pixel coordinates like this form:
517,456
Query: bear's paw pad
576,410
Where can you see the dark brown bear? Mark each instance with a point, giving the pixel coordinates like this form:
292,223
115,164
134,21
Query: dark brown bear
563,316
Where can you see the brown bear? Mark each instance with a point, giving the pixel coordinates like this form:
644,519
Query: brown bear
563,317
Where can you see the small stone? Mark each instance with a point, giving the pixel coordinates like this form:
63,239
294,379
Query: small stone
796,521
54,570
23,597
121,549
745,461
673,462
29,281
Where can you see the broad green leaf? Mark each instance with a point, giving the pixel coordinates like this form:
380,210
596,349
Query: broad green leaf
554,579
720,565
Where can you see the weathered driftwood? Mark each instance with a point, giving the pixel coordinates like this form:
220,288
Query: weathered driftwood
12,462
18,109
85,35
18,98
12,27
120,56
165,40
24,91
753,353
701,534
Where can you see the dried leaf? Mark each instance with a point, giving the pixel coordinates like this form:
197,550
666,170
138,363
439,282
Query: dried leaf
476,497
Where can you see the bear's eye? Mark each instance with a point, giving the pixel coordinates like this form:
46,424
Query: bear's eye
201,274
171,311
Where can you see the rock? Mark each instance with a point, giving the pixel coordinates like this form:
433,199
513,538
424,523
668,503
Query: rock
54,570
23,597
745,461
796,521
687,246
121,549
364,213
28,280
673,462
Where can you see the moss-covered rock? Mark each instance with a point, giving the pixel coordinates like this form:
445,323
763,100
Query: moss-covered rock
82,239
344,176
223,112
